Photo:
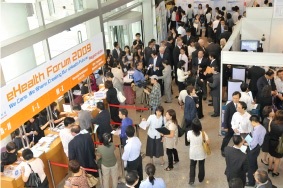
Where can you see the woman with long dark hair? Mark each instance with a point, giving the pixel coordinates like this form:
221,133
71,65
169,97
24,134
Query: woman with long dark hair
171,140
181,75
109,165
197,153
151,181
111,98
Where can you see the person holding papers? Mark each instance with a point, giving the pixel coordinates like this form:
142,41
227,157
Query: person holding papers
236,160
154,145
254,144
171,139
241,120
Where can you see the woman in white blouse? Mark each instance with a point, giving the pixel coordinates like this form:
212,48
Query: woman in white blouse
197,153
181,75
33,164
173,18
184,57
154,146
191,48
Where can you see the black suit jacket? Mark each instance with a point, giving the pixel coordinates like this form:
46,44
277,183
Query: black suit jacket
103,120
226,35
204,63
236,163
186,41
262,81
214,48
254,73
229,112
81,148
176,53
158,64
115,53
147,55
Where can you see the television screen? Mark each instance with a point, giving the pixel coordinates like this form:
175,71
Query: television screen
249,45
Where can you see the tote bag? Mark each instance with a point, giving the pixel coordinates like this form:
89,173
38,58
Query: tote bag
120,96
205,145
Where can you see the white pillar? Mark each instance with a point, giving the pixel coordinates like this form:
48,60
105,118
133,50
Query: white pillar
148,23
12,25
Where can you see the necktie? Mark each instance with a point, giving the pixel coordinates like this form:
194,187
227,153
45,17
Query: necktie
269,83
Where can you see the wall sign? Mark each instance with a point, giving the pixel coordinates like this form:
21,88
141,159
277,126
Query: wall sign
27,95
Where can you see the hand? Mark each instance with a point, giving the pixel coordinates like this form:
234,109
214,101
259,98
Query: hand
236,131
161,134
143,119
226,130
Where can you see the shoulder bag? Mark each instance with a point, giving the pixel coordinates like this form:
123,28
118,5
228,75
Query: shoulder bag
181,131
279,148
33,179
91,180
205,145
120,96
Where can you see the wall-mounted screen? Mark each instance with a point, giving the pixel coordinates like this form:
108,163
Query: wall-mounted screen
249,45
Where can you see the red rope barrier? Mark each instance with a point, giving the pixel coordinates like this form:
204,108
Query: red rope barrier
66,166
127,106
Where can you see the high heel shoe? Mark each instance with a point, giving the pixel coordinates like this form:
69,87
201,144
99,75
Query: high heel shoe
275,174
266,164
270,170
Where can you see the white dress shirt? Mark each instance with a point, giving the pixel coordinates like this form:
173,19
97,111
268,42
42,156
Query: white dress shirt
66,137
173,16
215,24
235,16
132,149
181,30
190,13
182,95
154,123
191,49
279,85
245,97
181,75
241,122
184,57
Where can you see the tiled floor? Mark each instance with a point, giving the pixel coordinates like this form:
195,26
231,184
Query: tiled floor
214,164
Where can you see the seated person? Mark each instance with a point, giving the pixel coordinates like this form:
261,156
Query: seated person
18,140
56,113
10,156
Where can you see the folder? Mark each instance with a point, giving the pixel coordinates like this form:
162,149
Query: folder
163,130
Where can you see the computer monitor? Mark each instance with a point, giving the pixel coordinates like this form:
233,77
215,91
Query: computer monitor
250,45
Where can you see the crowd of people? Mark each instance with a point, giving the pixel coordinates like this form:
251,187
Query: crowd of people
195,68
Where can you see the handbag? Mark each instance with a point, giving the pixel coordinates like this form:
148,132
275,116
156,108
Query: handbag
181,131
33,179
205,145
91,180
279,148
120,96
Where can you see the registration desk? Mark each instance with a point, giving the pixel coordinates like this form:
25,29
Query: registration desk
54,154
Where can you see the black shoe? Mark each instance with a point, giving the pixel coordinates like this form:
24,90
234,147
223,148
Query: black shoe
204,98
214,115
250,184
200,180
191,182
223,154
210,104
270,170
275,174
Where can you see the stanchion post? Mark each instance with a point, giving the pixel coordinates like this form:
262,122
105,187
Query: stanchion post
122,162
51,173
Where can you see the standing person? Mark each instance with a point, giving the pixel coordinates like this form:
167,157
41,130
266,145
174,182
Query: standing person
81,148
56,113
132,179
268,114
33,132
10,156
173,18
109,165
176,53
137,43
66,135
190,14
139,79
151,181
181,75
215,91
154,145
264,98
35,165
171,140
102,119
190,110
167,81
111,98
257,134
236,161
132,153
245,96
117,82
116,51
126,122
254,73
240,122
155,94
184,57
197,153
78,178
267,79
84,118
276,130
228,114
18,140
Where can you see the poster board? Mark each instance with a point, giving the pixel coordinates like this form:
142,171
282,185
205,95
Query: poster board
233,85
28,94
239,74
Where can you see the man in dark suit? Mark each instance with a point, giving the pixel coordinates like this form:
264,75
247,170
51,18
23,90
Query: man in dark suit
190,110
155,65
81,148
176,53
213,61
228,114
215,91
213,48
219,29
236,160
170,48
103,121
147,53
116,51
226,34
188,37
155,47
267,79
254,73
201,63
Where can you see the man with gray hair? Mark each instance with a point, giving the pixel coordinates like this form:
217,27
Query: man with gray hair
262,179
